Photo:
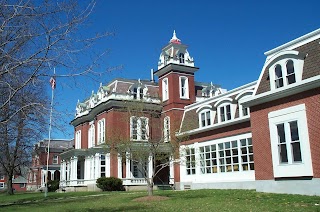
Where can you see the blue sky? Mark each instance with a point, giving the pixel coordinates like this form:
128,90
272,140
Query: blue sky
227,40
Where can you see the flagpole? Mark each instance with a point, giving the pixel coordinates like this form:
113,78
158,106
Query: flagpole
49,136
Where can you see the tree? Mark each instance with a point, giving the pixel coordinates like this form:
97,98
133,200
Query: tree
146,145
35,36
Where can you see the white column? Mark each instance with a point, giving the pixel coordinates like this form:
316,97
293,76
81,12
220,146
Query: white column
171,168
68,170
150,166
128,165
108,165
63,170
119,166
97,165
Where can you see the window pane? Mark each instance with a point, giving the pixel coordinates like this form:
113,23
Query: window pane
294,131
281,133
290,68
296,151
208,118
228,112
203,121
283,153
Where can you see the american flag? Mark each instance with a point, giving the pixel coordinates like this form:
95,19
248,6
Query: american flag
53,82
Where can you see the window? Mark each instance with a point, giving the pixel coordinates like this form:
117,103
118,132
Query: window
137,93
1,185
184,87
102,165
78,140
165,89
225,112
181,58
91,136
205,118
291,77
231,156
55,159
290,146
190,161
101,131
22,185
279,78
166,129
1,177
139,129
288,141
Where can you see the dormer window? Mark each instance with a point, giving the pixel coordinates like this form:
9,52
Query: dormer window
205,118
181,58
285,68
279,78
138,92
165,89
225,109
225,112
291,77
184,87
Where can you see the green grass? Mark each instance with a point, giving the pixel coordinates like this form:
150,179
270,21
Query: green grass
192,200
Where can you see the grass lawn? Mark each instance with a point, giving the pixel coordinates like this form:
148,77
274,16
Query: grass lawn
192,200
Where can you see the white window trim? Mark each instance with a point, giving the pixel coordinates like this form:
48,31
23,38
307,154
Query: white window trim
297,169
232,111
204,111
165,89
78,140
101,131
57,159
91,136
139,128
166,129
298,68
186,96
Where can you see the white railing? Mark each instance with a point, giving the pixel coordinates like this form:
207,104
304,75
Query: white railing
134,181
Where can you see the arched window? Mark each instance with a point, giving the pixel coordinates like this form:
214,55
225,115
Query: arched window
184,87
101,131
279,78
91,136
291,77
165,89
181,58
166,129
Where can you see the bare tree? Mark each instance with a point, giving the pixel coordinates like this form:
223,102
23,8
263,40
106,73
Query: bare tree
147,144
38,35
35,36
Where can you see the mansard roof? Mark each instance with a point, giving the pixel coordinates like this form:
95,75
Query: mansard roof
306,49
190,121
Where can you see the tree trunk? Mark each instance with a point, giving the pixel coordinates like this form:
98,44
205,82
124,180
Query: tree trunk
9,186
150,189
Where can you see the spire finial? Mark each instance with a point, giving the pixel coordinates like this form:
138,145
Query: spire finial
174,38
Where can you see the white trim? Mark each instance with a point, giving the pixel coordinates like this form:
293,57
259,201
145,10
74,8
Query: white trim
165,89
282,92
221,101
284,116
296,42
204,107
184,89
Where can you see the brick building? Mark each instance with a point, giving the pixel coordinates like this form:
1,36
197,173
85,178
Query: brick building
263,135
38,169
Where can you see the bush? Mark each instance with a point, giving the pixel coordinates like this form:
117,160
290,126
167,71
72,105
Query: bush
110,184
53,185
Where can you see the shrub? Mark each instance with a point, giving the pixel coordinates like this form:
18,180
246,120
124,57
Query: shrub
53,185
109,184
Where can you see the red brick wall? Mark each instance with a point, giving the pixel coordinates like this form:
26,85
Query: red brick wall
261,134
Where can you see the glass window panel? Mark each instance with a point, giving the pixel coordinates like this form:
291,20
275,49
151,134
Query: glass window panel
228,160
250,149
245,167
235,152
244,150
207,155
296,151
207,148
235,160
228,153
222,169
213,154
213,147
201,149
208,170
249,141
243,142
221,153
234,143
214,162
214,169
244,158
221,161
227,145
251,158
281,133
294,131
235,168
251,166
220,146
283,153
